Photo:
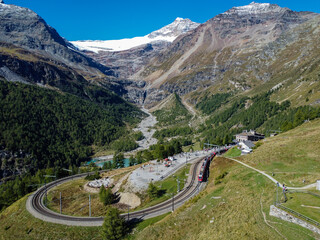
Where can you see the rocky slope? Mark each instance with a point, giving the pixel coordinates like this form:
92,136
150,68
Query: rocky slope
127,56
33,52
236,50
24,28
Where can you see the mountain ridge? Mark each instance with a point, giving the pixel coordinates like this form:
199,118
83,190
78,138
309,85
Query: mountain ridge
167,33
222,50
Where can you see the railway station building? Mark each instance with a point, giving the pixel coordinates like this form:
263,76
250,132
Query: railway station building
249,136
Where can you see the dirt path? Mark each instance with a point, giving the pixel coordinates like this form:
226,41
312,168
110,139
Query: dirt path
271,178
310,206
267,221
189,107
119,183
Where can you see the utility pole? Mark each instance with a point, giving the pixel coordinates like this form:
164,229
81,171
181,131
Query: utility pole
284,194
128,213
89,205
277,186
45,184
60,204
172,202
178,185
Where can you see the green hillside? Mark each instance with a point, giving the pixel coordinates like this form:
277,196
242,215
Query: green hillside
236,201
172,112
292,156
232,209
173,118
18,223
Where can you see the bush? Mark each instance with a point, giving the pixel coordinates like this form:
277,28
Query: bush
220,177
92,177
258,144
138,136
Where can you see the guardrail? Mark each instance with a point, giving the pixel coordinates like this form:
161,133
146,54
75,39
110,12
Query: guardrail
314,222
302,191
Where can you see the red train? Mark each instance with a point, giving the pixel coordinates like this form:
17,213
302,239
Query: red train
204,170
205,167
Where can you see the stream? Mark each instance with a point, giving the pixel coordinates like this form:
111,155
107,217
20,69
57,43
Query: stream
146,127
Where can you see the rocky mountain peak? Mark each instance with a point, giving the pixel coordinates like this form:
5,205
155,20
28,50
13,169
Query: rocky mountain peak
178,27
13,12
255,9
15,29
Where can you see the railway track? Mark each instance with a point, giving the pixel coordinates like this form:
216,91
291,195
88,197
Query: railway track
36,206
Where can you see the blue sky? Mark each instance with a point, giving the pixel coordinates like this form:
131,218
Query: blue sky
117,19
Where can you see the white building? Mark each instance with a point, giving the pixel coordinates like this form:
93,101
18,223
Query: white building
246,146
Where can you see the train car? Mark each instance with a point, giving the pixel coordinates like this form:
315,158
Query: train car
203,174
202,170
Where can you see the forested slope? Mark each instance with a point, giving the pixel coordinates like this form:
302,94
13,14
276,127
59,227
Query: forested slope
58,129
258,113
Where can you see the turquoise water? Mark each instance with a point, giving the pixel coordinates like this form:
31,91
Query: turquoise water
92,160
100,164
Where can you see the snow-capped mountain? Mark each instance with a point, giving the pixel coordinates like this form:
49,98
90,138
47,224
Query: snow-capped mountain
255,8
168,34
175,29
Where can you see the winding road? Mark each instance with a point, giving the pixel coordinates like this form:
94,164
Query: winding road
35,203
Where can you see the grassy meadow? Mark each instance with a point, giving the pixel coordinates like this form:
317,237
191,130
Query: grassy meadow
292,156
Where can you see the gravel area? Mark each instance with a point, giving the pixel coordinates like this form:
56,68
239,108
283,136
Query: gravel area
140,178
146,127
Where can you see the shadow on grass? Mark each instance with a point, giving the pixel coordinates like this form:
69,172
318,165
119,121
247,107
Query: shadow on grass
133,223
161,192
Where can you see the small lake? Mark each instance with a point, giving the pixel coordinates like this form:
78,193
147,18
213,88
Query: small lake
100,163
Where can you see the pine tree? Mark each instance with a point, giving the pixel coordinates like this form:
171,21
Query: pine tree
118,160
113,227
106,196
153,191
102,194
